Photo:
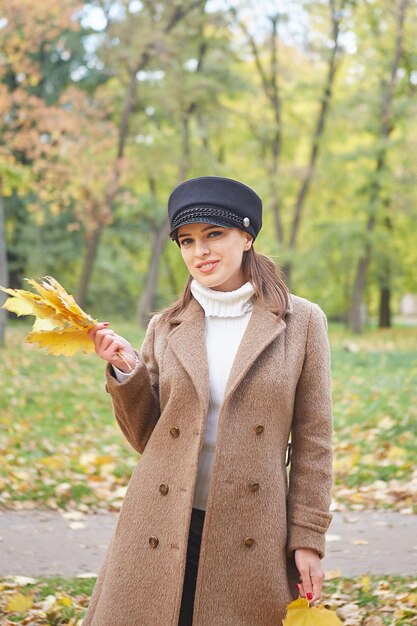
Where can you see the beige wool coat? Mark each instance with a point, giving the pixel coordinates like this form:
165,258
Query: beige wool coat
279,384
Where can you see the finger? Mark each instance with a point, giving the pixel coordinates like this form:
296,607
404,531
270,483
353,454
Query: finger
111,353
308,590
108,342
306,584
317,577
99,326
102,337
301,590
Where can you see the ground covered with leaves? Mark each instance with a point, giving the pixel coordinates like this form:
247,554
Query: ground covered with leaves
367,601
61,446
375,415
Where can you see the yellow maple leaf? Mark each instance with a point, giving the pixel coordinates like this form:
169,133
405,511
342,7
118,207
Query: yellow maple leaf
25,303
299,613
55,296
19,603
65,341
61,325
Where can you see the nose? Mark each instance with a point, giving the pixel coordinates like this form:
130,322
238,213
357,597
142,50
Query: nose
201,248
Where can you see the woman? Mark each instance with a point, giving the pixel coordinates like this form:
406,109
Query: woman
211,531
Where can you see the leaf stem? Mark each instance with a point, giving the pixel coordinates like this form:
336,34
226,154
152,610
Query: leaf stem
124,356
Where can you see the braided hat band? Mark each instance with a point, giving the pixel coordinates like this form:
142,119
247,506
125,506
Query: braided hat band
222,217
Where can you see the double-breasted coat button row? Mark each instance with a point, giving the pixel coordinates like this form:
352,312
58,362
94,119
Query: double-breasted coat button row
154,541
163,488
249,541
175,431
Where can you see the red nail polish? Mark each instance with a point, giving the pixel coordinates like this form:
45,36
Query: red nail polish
105,323
309,596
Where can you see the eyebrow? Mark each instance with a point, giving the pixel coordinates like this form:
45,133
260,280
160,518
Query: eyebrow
203,230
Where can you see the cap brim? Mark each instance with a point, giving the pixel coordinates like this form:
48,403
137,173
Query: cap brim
202,220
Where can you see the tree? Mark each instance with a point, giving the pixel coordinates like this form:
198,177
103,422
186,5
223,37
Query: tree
194,88
266,60
159,20
388,84
42,43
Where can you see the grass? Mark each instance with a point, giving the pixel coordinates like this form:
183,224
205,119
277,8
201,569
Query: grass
61,447
362,600
375,411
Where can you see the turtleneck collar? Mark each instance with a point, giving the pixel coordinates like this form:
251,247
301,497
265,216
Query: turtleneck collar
223,303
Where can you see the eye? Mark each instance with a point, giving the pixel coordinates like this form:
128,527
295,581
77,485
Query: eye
185,242
215,233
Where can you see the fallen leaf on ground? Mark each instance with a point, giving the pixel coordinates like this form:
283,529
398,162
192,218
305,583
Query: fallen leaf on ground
19,603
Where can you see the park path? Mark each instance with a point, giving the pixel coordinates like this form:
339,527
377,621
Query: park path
43,543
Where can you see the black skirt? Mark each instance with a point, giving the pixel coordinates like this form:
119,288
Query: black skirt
191,568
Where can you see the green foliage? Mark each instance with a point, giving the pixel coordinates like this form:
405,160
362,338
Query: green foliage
199,106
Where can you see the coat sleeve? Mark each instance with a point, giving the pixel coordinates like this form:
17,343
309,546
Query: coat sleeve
136,400
311,473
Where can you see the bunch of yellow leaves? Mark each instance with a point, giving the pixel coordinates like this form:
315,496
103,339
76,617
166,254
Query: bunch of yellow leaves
61,326
299,613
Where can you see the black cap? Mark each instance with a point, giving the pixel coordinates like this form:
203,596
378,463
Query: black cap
215,200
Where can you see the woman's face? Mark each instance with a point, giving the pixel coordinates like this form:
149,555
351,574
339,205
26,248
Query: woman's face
213,254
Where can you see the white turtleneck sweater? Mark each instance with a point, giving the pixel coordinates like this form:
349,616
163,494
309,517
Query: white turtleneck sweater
227,314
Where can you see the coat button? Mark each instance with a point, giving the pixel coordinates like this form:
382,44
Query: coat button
249,541
259,429
254,486
175,431
164,489
153,541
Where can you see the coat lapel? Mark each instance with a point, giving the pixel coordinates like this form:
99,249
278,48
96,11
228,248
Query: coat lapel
263,327
188,342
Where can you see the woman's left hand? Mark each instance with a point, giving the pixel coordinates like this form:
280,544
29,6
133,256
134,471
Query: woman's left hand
311,573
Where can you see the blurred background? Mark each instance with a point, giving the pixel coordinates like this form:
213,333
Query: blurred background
105,106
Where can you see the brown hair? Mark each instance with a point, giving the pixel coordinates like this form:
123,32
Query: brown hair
257,269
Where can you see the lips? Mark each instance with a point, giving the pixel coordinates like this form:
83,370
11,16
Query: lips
207,266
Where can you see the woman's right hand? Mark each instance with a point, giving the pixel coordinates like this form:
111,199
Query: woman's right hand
108,346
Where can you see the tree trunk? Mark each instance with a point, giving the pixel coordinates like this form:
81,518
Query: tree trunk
147,302
387,95
355,318
385,308
336,16
88,266
385,272
3,270
275,99
270,86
